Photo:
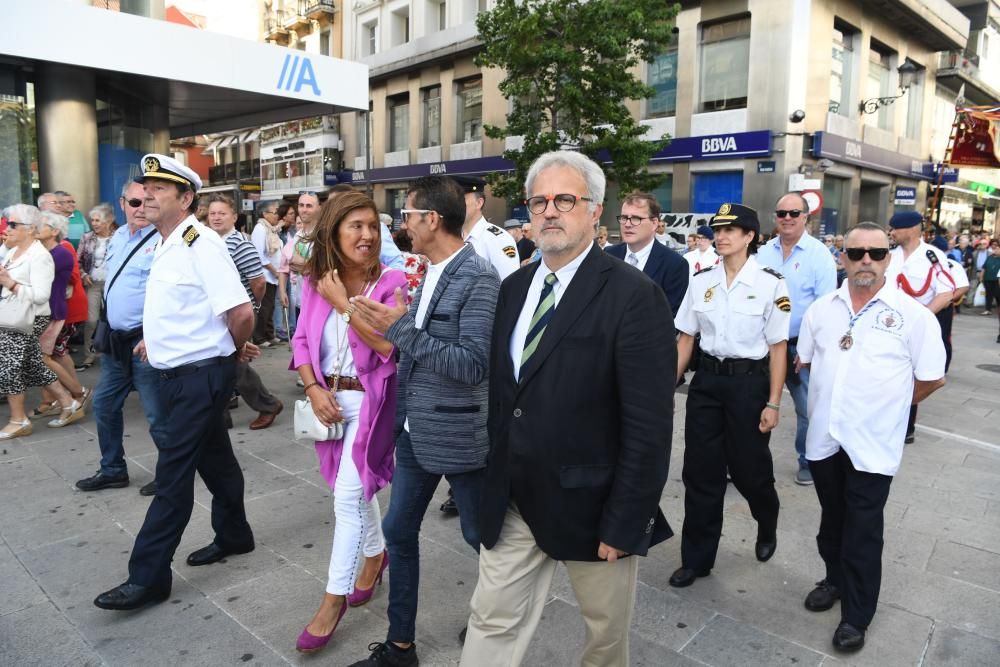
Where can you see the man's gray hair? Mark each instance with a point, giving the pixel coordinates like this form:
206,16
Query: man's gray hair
45,196
104,210
56,222
26,214
126,185
870,226
589,170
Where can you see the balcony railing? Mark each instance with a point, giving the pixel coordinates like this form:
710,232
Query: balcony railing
313,9
966,63
274,24
295,17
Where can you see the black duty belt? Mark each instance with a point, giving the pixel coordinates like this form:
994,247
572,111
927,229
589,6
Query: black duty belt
195,366
709,364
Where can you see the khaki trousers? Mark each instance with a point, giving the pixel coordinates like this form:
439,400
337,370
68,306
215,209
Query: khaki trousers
514,580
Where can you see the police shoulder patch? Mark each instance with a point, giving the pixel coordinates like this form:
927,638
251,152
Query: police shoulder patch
190,235
784,304
510,251
494,230
768,269
705,270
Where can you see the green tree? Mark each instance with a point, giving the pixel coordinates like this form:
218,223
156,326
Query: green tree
567,65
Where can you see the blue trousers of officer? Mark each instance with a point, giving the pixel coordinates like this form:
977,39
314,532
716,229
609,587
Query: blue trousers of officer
195,440
721,431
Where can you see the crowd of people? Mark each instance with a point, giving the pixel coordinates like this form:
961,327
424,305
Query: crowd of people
531,365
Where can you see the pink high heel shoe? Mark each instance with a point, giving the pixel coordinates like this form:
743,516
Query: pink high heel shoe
310,643
361,596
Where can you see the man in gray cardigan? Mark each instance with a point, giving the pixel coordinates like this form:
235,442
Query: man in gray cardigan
444,344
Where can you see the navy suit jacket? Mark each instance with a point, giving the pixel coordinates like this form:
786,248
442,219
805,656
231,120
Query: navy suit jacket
664,267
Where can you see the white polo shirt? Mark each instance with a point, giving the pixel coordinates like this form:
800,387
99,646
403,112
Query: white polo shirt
859,398
698,260
192,283
740,321
916,268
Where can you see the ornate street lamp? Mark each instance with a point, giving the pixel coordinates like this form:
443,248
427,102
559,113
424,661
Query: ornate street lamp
907,75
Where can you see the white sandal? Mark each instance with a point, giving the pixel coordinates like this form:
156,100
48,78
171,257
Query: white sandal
73,413
24,428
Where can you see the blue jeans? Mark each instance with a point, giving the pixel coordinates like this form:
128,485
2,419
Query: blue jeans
118,379
412,490
800,397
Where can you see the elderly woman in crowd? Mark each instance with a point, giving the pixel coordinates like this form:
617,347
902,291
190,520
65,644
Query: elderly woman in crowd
51,232
26,280
93,269
349,371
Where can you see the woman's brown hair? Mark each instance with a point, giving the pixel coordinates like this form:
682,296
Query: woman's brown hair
326,254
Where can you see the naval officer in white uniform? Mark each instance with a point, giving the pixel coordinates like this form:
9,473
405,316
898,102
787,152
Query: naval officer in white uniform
492,243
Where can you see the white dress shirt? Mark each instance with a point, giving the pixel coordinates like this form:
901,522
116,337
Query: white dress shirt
916,268
698,260
496,246
434,272
641,256
563,278
740,321
190,288
859,398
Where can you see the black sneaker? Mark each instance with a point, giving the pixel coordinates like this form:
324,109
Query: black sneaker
908,440
387,654
102,481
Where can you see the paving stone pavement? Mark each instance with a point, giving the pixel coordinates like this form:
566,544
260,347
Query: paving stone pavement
940,598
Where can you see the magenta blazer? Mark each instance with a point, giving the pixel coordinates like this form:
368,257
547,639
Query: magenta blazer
373,446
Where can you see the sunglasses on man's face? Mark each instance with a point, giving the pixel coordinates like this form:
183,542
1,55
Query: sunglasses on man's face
793,213
134,203
857,254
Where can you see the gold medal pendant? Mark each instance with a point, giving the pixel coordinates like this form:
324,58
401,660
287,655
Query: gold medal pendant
846,341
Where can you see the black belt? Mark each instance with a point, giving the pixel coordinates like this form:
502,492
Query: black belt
127,335
794,340
195,366
713,366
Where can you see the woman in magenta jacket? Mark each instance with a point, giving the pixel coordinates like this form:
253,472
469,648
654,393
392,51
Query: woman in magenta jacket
331,346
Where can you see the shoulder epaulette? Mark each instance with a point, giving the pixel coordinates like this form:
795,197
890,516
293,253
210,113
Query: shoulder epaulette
768,269
190,235
494,230
705,270
932,256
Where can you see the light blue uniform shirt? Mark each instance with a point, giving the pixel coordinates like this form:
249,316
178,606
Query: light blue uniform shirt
125,303
809,272
389,254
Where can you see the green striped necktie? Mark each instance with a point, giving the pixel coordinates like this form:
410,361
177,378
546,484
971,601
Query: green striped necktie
543,313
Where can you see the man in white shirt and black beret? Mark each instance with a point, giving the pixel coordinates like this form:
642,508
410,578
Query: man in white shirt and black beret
872,351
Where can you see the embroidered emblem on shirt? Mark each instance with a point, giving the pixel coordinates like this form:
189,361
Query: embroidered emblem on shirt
709,293
494,230
190,235
784,304
889,320
510,251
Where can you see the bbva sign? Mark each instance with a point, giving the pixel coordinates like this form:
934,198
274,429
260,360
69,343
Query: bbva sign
296,72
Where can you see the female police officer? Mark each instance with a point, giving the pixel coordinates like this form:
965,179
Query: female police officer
742,311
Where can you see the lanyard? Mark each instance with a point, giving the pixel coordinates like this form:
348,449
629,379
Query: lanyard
904,284
847,340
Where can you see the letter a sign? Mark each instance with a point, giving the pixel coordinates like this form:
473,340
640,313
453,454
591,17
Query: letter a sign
296,72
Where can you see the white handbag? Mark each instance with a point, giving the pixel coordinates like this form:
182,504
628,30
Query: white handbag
308,426
15,314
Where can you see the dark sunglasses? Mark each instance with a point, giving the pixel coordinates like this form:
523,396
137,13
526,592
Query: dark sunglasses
13,224
134,203
794,213
857,254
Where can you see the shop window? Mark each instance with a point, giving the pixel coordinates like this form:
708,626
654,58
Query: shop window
878,85
431,103
725,64
661,75
470,110
399,123
712,189
843,68
833,217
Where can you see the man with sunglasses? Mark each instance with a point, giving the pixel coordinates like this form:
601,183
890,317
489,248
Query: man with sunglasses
872,351
121,371
921,270
810,272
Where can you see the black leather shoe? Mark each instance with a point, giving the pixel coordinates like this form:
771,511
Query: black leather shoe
102,481
764,549
213,553
131,596
449,507
848,638
148,489
388,654
822,597
683,576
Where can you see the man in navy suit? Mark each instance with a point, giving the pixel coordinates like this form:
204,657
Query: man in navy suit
666,268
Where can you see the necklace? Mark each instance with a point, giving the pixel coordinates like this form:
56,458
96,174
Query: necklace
847,340
342,338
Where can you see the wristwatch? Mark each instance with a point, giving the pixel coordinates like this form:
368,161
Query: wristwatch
347,315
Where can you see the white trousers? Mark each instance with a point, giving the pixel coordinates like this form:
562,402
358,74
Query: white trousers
514,580
357,533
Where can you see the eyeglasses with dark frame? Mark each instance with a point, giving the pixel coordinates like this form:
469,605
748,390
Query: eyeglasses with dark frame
793,213
564,202
631,220
857,254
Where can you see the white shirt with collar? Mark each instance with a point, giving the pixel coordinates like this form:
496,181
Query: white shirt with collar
642,256
192,283
859,398
496,246
917,267
431,279
563,278
698,260
740,321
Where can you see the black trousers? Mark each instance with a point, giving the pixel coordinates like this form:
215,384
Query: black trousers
263,328
850,533
195,438
945,316
721,431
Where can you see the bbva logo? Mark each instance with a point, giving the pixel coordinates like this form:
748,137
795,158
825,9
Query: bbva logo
297,71
718,144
